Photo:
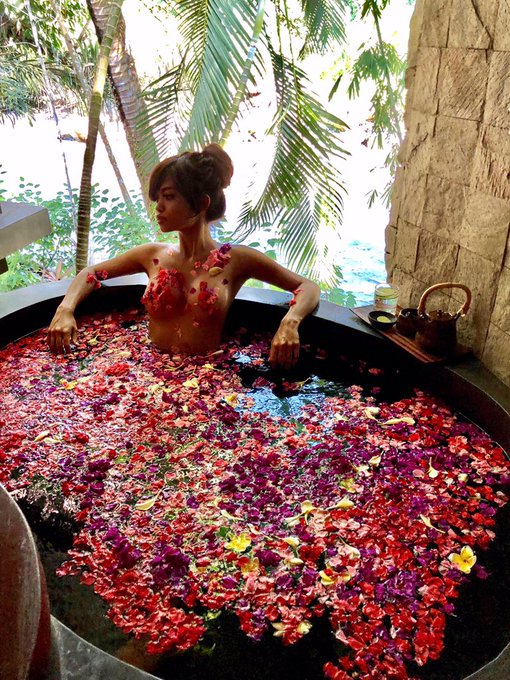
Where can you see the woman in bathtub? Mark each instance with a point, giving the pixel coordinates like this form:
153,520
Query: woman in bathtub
192,285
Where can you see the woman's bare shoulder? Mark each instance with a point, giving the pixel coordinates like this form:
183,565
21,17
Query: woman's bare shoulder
150,250
241,252
157,246
241,257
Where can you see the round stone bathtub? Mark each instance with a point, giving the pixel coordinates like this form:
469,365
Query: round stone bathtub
466,386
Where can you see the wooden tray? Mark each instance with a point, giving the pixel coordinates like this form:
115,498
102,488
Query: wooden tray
408,344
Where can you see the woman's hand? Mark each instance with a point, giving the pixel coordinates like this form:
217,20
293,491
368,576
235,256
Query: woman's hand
62,331
249,263
285,345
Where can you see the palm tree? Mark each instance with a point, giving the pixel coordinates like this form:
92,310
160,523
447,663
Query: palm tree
127,91
85,87
229,45
24,76
226,47
96,100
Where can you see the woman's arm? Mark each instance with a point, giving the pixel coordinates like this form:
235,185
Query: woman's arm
285,345
63,329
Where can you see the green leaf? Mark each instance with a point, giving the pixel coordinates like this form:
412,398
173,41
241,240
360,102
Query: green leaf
304,187
325,25
218,35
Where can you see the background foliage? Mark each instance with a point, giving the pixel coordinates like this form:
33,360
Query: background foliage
116,229
227,52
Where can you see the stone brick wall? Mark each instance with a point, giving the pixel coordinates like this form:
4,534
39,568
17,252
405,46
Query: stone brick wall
450,217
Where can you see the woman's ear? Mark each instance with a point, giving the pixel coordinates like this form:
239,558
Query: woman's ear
204,204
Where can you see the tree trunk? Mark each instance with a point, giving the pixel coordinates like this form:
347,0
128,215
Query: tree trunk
128,94
86,96
96,102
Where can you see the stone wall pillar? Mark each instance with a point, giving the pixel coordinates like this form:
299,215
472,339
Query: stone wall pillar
450,217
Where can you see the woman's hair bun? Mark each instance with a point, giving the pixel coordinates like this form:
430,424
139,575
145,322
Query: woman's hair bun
222,161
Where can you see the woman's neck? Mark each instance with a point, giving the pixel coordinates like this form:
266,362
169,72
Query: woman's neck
195,244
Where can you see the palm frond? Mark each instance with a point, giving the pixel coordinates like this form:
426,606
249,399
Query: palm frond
374,7
246,73
371,64
302,239
325,25
192,102
22,86
298,224
219,38
304,184
382,65
167,106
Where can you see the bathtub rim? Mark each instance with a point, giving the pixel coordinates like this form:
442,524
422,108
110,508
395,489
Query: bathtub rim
478,393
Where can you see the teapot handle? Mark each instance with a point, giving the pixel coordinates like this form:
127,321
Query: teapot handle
463,310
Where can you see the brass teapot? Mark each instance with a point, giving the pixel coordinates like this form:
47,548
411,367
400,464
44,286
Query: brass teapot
437,330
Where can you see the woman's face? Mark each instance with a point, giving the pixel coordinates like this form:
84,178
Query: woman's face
173,212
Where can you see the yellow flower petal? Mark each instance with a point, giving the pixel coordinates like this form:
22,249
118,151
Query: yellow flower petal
326,579
304,627
364,469
214,271
41,436
147,504
192,382
375,460
279,629
292,541
467,554
372,411
231,399
250,566
294,561
404,419
344,504
227,514
348,484
465,560
292,521
429,524
432,472
239,543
